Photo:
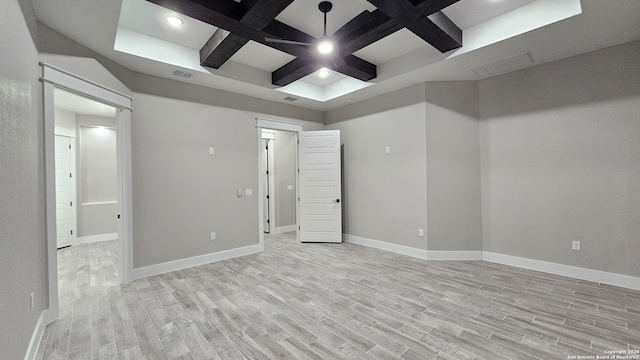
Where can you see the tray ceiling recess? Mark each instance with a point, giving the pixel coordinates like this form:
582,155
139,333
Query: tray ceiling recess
240,22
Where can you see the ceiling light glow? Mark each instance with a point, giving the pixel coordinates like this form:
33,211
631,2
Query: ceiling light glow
173,21
323,73
325,47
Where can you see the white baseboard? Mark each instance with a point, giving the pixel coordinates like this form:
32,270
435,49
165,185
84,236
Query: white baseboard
454,255
398,249
32,350
283,229
97,238
145,271
598,276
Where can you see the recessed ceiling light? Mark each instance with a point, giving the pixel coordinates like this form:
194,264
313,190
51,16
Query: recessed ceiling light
325,47
323,73
173,21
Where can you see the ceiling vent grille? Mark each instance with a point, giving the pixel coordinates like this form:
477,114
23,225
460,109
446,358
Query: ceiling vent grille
289,98
182,74
504,66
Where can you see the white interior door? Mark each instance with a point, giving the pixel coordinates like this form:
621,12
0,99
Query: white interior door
65,191
320,187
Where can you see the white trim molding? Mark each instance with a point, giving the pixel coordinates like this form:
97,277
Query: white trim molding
36,337
97,238
145,271
602,277
382,245
283,229
598,276
454,255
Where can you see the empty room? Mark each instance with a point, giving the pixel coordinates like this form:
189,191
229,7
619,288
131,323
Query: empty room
306,179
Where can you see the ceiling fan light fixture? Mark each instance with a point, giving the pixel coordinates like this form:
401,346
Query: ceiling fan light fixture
173,21
325,47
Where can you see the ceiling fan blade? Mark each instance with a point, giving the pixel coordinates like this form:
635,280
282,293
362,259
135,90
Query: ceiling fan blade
274,40
338,61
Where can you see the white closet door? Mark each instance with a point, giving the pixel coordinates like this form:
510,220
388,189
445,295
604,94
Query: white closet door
65,190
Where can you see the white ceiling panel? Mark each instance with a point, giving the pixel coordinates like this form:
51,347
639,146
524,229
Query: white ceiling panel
395,45
149,19
467,13
305,16
261,57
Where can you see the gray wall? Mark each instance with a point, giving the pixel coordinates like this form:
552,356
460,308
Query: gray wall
285,174
22,222
453,166
560,150
182,194
384,195
97,179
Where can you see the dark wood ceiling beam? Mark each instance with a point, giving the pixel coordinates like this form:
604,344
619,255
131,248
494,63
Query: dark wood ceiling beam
378,28
292,71
223,45
404,12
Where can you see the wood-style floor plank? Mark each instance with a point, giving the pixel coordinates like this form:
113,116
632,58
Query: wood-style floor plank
328,301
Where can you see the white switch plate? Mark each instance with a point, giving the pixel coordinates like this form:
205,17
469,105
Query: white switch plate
31,301
248,192
289,187
420,232
387,150
213,236
212,151
575,245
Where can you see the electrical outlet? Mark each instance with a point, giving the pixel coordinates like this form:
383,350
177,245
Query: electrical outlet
420,232
31,301
212,151
575,245
213,236
248,192
387,150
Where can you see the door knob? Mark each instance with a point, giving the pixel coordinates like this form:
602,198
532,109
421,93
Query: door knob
338,200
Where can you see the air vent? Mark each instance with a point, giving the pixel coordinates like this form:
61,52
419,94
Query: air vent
504,66
289,98
182,74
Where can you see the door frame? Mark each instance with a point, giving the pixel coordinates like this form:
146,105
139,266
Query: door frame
270,141
71,134
54,77
268,124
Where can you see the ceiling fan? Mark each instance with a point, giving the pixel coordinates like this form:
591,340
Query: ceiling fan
324,46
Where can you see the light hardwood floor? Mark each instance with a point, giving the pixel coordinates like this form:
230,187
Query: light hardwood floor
333,301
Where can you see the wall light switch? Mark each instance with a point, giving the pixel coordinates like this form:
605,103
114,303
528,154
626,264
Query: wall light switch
211,151
289,187
420,232
387,150
575,245
248,192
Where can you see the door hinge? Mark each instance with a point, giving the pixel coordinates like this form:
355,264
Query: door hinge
267,172
71,232
267,196
268,221
298,227
118,216
70,203
298,142
298,198
69,146
69,174
298,171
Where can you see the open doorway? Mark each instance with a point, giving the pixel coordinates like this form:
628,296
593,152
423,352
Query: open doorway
113,130
279,168
86,170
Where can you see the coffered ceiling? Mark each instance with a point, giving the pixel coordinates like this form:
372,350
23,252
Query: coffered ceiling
498,36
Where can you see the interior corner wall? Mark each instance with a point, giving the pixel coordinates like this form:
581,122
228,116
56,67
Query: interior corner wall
453,166
23,256
384,195
181,193
560,147
284,169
